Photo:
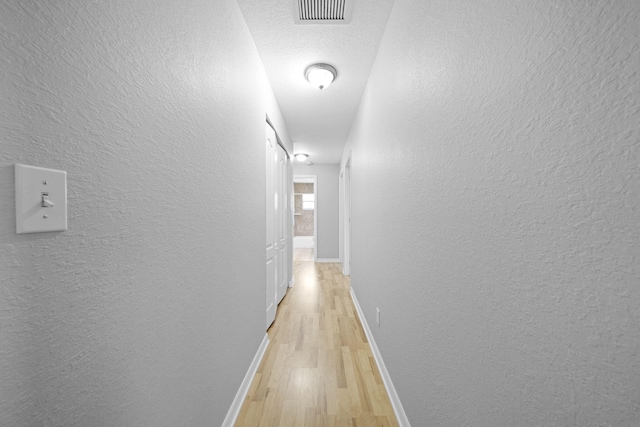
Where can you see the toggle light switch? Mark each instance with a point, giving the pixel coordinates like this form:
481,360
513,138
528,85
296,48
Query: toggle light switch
41,199
46,203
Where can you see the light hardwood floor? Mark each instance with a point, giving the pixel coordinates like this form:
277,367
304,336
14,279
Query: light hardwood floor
302,254
318,369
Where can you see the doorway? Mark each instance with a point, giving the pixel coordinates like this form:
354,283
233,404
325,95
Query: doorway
305,218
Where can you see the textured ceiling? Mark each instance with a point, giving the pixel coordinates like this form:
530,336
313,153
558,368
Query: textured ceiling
318,121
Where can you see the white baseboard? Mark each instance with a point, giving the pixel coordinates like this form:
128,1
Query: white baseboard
403,421
327,260
292,281
236,405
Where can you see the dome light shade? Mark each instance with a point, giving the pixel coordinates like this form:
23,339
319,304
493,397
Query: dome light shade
301,157
321,75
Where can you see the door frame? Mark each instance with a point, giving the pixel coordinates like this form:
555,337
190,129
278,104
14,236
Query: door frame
283,255
270,222
290,207
309,179
283,237
345,180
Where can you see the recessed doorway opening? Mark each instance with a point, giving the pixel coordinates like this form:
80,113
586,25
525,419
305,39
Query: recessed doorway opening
304,212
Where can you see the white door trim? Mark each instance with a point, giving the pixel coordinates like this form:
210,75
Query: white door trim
270,221
311,179
282,283
345,176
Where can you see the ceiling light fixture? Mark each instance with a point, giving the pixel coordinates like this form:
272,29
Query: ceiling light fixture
321,75
301,157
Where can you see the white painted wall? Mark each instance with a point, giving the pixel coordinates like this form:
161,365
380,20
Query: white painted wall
496,201
150,308
327,209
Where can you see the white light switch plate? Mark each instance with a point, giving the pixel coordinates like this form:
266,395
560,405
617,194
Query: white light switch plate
31,183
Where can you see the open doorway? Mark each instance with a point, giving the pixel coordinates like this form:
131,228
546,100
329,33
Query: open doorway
305,218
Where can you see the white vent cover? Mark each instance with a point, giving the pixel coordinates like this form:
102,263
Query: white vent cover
322,11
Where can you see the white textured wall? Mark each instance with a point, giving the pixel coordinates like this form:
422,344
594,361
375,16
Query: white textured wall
149,309
327,208
496,211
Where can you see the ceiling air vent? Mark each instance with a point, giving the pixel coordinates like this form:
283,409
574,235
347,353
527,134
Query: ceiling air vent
323,11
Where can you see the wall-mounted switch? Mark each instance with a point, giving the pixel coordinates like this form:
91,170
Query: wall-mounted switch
41,199
378,316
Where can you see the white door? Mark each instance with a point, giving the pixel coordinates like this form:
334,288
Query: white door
272,252
276,217
281,222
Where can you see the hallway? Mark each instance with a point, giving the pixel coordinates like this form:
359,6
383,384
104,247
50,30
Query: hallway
318,369
478,174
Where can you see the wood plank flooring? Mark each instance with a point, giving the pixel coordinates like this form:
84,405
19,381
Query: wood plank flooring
318,369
